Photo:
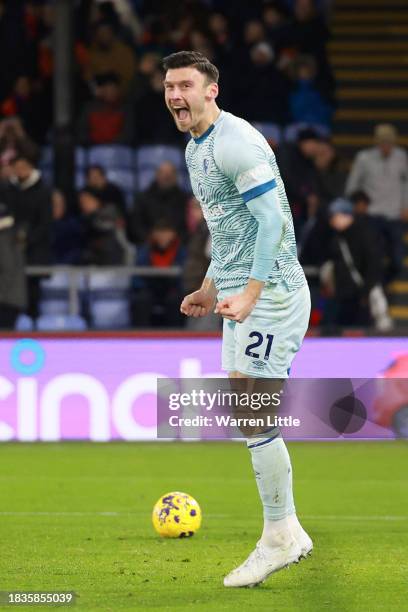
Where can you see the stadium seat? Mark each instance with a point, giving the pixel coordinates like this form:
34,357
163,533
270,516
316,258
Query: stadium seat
153,156
270,131
108,281
47,157
60,322
24,323
46,164
123,178
54,297
111,156
109,300
54,306
145,178
81,158
291,131
184,181
47,174
109,313
129,199
80,179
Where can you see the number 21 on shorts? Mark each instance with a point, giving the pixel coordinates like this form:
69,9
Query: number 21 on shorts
258,342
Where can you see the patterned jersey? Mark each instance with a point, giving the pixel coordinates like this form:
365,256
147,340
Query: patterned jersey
229,165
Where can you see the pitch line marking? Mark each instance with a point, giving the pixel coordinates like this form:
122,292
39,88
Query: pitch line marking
324,517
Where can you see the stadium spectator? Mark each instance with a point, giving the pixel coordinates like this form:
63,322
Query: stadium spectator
108,192
163,200
13,297
201,43
13,138
198,256
108,54
382,172
307,104
106,119
161,38
361,203
149,64
279,31
67,233
27,104
255,96
223,45
128,17
251,44
29,201
331,175
153,123
121,15
157,299
221,35
355,269
254,33
103,242
297,166
311,34
179,35
14,45
198,247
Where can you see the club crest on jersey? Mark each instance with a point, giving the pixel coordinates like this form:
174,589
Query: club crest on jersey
201,194
206,165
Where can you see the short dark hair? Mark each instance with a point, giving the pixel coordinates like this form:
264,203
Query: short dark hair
107,78
360,195
28,156
92,192
98,167
184,59
307,133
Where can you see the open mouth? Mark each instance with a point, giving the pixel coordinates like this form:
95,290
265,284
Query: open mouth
181,113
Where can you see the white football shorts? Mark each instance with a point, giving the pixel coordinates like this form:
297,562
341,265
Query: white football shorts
265,344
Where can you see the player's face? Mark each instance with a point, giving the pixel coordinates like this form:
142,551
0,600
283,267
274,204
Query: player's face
187,95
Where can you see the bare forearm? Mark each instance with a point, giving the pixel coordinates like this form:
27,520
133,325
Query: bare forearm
208,286
254,288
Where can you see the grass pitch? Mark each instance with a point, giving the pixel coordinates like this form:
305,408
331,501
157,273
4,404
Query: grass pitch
77,517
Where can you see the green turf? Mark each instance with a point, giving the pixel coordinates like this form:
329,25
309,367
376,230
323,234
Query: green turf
351,497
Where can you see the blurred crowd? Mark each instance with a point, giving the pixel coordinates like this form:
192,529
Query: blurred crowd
274,70
261,48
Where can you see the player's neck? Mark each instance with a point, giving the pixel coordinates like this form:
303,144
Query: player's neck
203,125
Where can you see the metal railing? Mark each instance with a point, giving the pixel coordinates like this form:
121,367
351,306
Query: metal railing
79,275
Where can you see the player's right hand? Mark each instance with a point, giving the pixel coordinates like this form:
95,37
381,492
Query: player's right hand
197,304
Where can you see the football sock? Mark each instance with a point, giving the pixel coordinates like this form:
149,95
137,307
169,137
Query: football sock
273,473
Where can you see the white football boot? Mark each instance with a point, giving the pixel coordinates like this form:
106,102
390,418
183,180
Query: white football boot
264,561
300,535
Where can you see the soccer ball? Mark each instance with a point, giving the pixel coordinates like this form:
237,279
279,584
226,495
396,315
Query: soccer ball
176,515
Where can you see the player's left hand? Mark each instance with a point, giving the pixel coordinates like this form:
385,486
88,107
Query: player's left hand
236,307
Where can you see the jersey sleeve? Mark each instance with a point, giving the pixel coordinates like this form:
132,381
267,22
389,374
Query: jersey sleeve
242,157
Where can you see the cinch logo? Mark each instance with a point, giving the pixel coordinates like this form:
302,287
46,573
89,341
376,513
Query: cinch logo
31,405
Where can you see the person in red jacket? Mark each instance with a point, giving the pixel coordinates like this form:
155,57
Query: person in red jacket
157,299
106,119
